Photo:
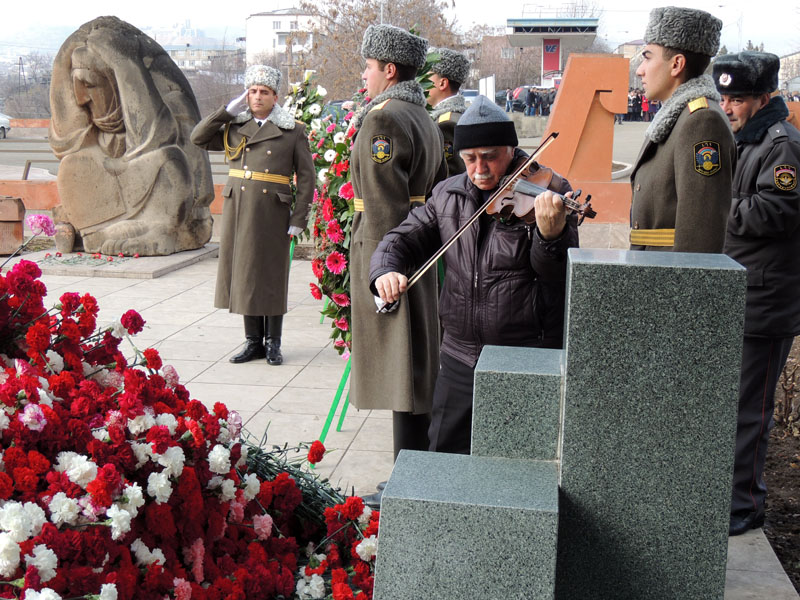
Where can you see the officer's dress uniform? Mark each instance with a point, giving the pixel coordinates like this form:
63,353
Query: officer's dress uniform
253,272
682,177
397,158
764,236
446,115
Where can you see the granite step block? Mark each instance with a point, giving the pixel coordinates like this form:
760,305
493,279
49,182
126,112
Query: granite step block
516,406
468,528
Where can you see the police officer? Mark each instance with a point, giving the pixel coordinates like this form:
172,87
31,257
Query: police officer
681,180
265,146
397,157
447,76
764,236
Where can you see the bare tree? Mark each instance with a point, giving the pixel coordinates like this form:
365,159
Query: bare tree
336,50
28,96
220,82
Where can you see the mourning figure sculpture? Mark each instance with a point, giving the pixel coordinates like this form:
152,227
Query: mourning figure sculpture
130,180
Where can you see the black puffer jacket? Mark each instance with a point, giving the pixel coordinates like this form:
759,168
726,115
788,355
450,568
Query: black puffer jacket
504,284
764,222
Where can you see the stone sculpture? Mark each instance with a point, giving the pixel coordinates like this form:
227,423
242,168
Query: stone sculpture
130,180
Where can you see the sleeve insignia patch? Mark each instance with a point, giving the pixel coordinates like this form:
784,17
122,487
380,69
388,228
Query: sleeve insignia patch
706,158
381,148
448,150
785,177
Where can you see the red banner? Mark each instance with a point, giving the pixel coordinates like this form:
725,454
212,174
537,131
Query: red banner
551,55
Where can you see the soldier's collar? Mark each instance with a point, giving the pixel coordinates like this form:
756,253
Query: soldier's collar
408,91
667,116
452,104
279,116
757,125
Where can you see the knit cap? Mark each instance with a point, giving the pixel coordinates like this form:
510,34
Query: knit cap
484,124
685,29
391,44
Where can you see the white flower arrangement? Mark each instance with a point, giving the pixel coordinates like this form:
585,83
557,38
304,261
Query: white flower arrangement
219,460
330,155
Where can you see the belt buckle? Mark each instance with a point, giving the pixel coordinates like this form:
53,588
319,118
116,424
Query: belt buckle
248,174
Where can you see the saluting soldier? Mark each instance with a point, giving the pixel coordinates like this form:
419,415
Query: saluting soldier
764,236
265,146
682,178
397,158
448,74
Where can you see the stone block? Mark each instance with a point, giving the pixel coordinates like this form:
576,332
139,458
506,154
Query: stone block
467,528
10,236
11,209
516,406
653,353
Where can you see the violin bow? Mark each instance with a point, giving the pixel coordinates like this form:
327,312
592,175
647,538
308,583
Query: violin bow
509,182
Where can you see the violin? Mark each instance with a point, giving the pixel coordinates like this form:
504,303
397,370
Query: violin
518,199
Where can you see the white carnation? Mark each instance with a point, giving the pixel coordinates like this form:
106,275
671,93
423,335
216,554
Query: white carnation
173,460
108,591
330,155
169,421
214,482
63,510
219,460
159,487
316,587
45,561
363,519
367,548
100,434
143,555
134,498
251,486
117,329
142,452
9,554
55,361
224,436
228,490
45,594
142,423
242,462
120,521
45,398
4,421
314,109
79,469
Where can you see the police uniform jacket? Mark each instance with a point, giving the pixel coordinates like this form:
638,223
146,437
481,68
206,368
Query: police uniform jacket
397,157
253,271
446,116
681,180
764,224
504,284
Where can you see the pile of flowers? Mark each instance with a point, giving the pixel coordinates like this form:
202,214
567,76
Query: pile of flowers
116,484
332,211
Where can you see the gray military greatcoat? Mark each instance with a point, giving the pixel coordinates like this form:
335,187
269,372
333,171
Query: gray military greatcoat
253,272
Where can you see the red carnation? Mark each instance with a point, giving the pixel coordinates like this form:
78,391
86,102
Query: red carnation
342,591
336,263
153,359
315,291
352,508
6,486
316,452
25,479
159,438
133,322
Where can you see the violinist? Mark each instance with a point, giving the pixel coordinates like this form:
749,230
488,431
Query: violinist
505,278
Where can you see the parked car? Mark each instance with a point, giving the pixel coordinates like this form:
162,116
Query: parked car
517,105
5,125
469,95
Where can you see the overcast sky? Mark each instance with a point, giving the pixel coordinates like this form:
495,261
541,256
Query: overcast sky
775,23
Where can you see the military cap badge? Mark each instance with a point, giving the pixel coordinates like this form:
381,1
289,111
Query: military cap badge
706,158
785,177
381,148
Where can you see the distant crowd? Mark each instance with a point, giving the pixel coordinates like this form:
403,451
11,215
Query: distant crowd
640,107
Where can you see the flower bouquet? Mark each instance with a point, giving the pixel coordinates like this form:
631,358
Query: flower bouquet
116,484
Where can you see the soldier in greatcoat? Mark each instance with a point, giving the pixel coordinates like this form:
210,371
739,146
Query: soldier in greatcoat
681,181
764,236
447,76
265,148
397,157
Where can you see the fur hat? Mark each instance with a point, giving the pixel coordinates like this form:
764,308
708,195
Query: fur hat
746,73
484,124
685,29
262,75
451,64
388,43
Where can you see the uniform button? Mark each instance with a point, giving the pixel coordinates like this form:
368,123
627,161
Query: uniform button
266,170
247,149
269,151
264,190
245,167
636,224
242,188
638,186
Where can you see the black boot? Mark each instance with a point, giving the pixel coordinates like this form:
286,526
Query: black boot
253,349
254,334
274,330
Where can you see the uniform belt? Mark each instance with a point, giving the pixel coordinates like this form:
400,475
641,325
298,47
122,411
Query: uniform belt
258,176
358,203
653,237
